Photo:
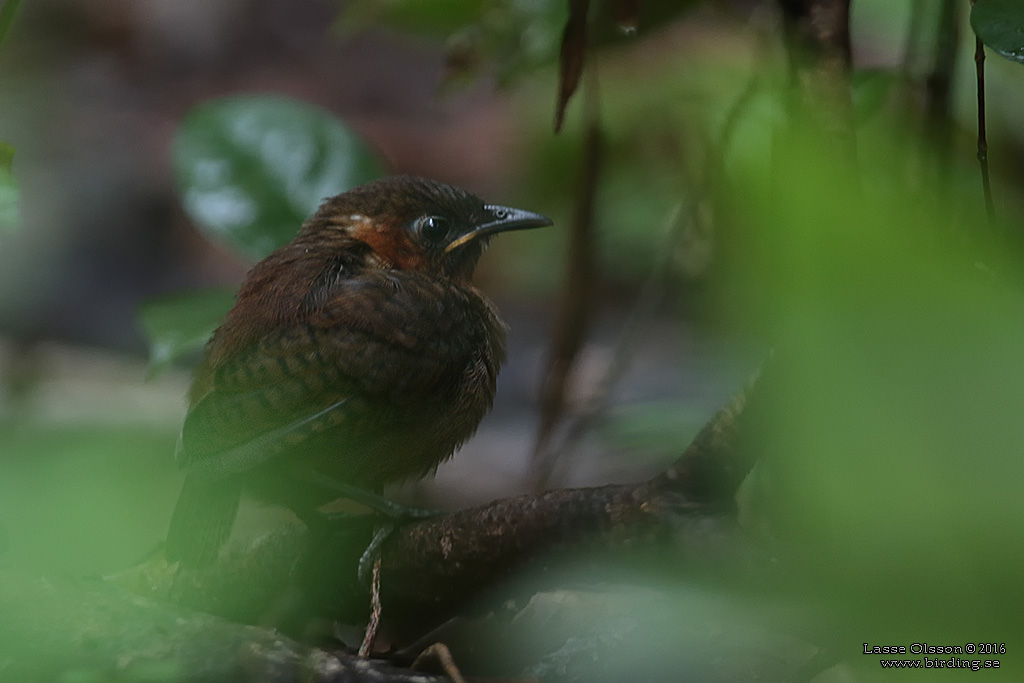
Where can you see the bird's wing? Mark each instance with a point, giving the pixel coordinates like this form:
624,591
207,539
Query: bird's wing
365,347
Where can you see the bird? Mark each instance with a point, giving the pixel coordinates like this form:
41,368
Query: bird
355,356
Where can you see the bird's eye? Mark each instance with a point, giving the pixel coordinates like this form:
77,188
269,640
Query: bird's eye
433,229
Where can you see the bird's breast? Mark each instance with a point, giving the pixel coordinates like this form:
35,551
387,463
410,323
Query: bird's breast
426,353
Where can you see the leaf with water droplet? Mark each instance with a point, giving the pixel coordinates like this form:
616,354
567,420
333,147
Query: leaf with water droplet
1000,25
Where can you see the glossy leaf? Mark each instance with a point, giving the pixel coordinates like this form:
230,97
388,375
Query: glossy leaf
8,189
251,168
181,323
1000,25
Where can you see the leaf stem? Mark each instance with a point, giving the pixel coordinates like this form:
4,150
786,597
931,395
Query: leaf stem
979,61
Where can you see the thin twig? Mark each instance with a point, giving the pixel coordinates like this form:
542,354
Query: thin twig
575,310
939,84
939,87
443,655
979,61
370,634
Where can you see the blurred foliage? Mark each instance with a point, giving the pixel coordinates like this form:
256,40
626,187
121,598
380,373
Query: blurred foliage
1000,25
67,490
438,19
252,168
888,431
8,189
8,12
180,323
512,37
509,38
870,90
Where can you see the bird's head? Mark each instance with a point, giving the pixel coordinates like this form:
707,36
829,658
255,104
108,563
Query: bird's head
409,223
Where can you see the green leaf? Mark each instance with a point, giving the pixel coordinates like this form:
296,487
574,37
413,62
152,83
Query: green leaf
251,168
1000,25
8,189
181,323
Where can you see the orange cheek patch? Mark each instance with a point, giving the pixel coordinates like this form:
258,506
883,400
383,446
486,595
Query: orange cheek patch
390,243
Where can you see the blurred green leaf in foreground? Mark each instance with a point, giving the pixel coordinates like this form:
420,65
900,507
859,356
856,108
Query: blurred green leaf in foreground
889,431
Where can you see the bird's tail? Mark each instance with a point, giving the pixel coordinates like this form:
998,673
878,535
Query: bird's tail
202,521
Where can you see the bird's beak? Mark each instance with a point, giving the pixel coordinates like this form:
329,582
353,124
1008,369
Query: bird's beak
503,219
